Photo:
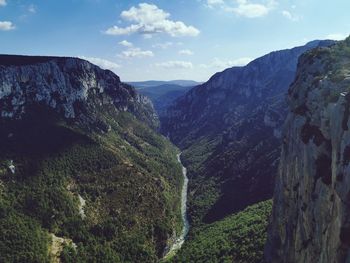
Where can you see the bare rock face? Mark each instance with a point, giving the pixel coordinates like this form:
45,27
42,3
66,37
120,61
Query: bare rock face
311,220
65,85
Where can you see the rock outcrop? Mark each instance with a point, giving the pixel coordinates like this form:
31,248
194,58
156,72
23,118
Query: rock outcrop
311,220
230,131
65,85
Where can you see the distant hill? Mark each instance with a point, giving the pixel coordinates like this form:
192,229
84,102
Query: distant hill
154,92
163,93
153,83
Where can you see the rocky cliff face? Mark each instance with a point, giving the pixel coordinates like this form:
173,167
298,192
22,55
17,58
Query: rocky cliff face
230,130
84,177
311,220
65,85
234,94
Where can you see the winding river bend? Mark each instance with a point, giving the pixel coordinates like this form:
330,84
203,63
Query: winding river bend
186,226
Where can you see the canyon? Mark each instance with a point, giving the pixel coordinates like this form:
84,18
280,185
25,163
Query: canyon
85,172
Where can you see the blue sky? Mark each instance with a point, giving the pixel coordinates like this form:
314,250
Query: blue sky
167,39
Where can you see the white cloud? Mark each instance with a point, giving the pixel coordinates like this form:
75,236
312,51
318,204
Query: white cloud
245,8
251,10
102,63
176,64
125,43
212,3
149,19
337,36
6,26
248,9
145,14
223,64
163,45
115,30
136,53
3,2
287,14
290,16
185,52
31,9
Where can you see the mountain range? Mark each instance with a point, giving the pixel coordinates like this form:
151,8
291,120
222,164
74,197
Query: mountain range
154,83
163,93
89,168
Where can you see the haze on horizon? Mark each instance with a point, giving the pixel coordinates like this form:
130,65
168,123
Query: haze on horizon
167,40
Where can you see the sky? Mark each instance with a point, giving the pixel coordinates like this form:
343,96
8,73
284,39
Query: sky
167,39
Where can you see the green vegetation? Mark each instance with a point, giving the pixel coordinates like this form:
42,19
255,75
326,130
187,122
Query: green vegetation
329,64
239,238
220,171
204,189
336,60
22,239
129,177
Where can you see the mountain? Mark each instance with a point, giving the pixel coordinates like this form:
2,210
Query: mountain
310,221
84,177
162,96
162,102
229,130
62,84
163,93
154,83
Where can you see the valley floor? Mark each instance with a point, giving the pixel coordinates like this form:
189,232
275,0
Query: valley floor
186,225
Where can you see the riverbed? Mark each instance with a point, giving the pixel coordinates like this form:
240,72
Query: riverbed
186,226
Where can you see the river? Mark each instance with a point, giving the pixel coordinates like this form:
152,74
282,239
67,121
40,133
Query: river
186,226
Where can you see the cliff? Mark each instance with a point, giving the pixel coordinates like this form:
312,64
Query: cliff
66,85
230,131
310,221
84,177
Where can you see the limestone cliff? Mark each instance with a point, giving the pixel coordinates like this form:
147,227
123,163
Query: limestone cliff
65,85
311,221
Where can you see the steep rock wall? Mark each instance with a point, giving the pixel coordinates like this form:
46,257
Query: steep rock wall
311,221
65,85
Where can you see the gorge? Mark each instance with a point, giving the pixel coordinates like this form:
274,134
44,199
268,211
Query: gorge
85,173
229,130
201,131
